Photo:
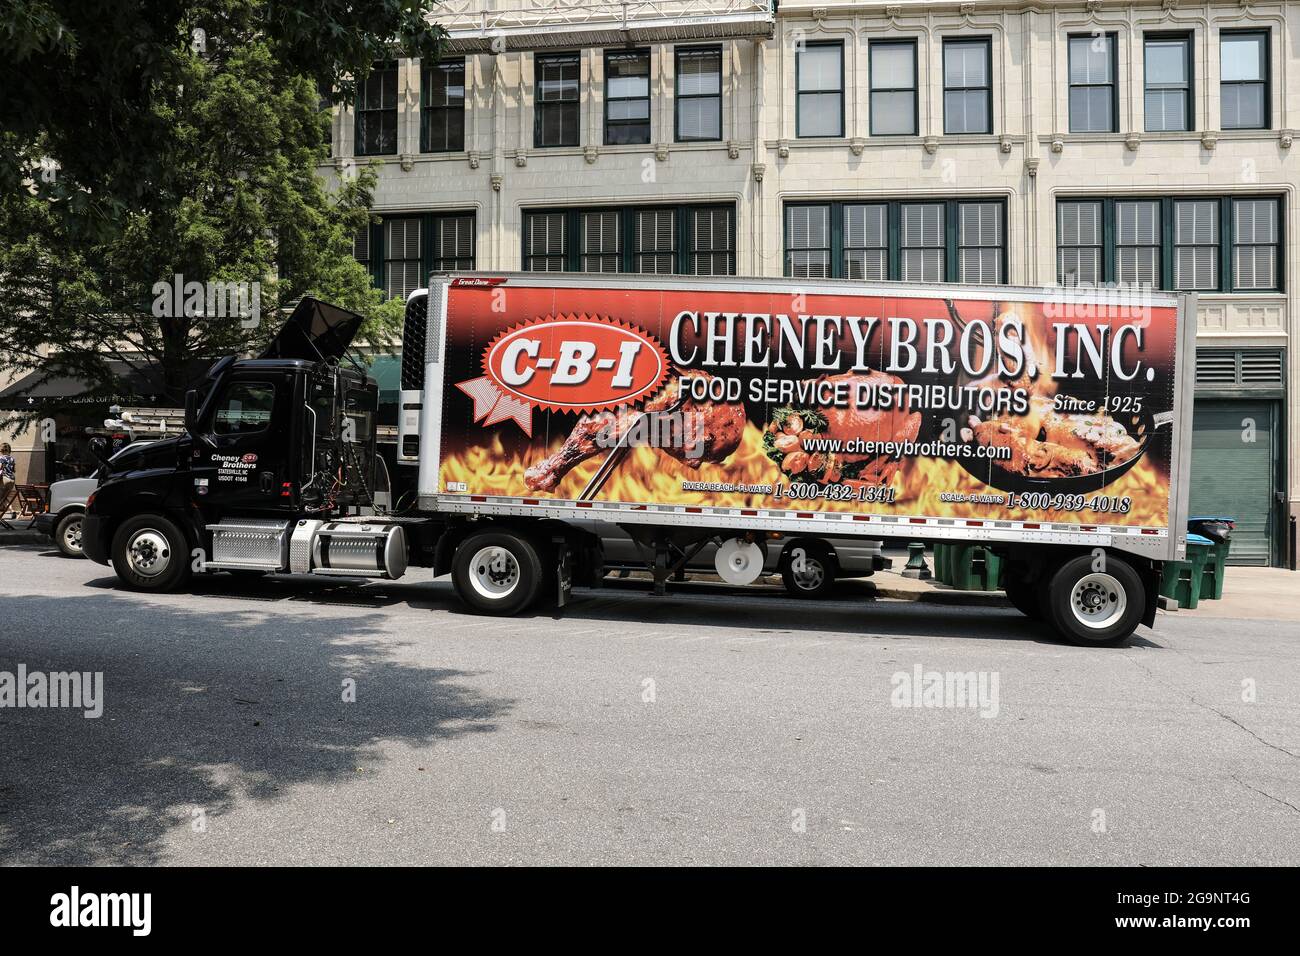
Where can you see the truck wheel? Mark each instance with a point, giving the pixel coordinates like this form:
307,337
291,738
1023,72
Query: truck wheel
1095,608
496,572
151,554
815,576
1024,597
67,534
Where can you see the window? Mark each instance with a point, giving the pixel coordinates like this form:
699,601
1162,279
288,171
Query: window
1243,86
662,240
442,108
967,92
403,257
699,94
402,250
627,97
893,87
1079,243
1093,94
601,241
897,240
866,241
1137,243
244,408
979,242
376,126
1254,243
808,242
819,93
556,119
544,242
922,242
1168,99
1196,243
713,241
656,241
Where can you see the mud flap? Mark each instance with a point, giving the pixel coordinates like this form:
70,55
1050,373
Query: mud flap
563,576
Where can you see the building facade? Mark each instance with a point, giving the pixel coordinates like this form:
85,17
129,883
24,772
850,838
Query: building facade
987,141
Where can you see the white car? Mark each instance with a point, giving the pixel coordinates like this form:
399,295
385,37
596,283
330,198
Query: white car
825,559
62,521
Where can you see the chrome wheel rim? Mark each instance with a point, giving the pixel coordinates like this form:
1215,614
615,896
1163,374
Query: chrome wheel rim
148,553
494,572
812,575
1098,600
72,535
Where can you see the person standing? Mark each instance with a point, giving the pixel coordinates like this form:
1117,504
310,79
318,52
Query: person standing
7,479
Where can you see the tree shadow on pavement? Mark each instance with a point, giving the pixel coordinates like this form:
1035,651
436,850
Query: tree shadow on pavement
204,707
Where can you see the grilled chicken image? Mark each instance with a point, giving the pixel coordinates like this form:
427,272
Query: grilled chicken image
697,432
796,439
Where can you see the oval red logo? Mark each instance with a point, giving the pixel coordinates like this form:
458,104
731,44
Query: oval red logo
576,363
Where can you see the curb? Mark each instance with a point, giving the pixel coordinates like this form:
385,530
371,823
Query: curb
8,538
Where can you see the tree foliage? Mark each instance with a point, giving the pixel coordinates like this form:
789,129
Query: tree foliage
178,153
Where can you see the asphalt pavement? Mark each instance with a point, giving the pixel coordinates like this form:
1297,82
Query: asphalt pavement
298,720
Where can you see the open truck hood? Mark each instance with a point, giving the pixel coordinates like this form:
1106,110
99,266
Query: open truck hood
316,332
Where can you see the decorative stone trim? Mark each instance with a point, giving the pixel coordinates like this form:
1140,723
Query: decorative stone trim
758,169
1284,138
931,144
497,181
1132,141
733,149
661,152
590,154
473,158
783,148
1031,165
521,158
1058,143
407,161
1209,139
1004,143
857,144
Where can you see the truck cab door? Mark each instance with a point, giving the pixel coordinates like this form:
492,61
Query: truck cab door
243,460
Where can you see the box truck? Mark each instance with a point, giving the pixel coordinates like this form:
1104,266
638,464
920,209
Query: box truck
1051,426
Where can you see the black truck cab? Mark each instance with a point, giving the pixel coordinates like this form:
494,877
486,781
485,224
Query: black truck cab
269,441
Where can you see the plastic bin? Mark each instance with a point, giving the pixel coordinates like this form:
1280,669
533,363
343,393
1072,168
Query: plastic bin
967,567
1218,529
1182,580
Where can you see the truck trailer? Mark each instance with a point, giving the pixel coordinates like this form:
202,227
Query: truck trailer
1049,426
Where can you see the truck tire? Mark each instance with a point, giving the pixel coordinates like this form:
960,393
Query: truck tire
1094,608
67,534
150,553
816,578
497,572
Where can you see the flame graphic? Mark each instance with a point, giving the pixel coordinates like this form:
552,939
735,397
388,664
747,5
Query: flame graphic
648,475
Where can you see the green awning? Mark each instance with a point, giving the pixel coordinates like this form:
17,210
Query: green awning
386,370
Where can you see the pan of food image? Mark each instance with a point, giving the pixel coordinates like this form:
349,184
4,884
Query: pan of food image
1059,451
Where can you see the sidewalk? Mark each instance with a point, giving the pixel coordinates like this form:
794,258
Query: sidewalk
22,536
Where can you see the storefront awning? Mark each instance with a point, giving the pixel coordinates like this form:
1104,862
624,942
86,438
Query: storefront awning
41,388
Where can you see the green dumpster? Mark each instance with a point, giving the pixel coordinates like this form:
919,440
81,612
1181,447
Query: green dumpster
1219,530
1181,580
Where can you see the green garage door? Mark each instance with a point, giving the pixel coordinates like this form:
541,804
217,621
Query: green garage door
1234,475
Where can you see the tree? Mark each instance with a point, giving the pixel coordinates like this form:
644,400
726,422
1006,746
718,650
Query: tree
225,190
